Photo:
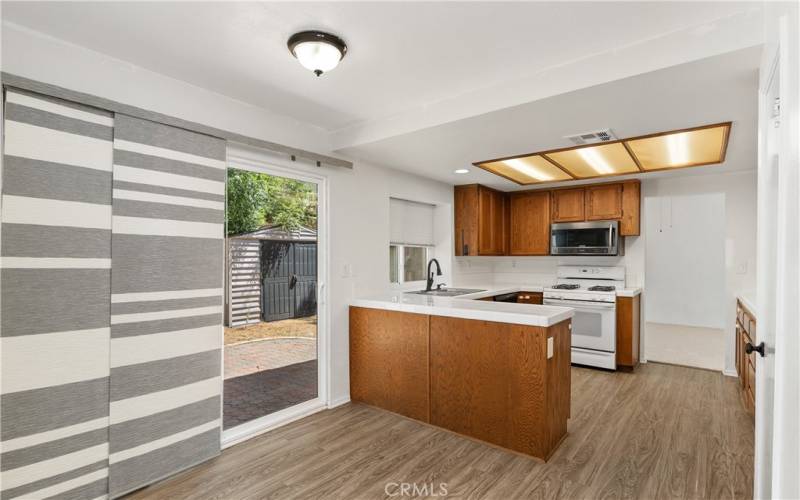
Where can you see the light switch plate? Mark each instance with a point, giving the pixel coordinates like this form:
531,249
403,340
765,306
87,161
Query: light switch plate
549,347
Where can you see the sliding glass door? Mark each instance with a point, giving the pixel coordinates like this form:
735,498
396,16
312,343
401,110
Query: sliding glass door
271,335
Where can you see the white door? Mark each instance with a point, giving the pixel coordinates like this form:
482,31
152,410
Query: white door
776,454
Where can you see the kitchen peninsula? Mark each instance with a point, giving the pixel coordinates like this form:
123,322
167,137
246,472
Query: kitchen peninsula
494,371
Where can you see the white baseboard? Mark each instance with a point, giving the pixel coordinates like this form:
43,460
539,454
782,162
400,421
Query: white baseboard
730,373
339,402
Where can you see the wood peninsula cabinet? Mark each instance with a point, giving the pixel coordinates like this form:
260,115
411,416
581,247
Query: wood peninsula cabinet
491,222
481,220
746,362
503,383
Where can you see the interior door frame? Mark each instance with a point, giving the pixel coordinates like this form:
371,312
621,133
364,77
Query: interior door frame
260,161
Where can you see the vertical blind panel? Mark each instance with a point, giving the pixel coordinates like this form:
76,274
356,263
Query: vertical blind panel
54,331
410,222
166,301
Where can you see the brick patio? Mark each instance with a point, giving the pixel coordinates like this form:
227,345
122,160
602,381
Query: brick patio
264,376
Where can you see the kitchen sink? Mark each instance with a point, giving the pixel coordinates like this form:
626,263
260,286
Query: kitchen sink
448,292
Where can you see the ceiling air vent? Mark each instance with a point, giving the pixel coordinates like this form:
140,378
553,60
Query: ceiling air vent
592,137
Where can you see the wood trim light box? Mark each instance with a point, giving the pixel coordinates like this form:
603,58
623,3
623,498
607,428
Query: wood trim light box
691,147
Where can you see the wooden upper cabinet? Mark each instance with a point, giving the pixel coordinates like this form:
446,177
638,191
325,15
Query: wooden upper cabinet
480,220
492,221
529,223
630,224
604,202
569,204
465,216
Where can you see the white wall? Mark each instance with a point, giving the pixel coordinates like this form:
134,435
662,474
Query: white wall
40,57
358,198
685,260
739,190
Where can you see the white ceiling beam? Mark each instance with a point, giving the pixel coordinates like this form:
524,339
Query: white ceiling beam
738,31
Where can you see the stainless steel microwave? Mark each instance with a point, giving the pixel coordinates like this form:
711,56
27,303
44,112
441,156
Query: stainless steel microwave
586,238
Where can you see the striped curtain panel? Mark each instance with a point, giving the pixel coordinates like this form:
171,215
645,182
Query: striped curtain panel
56,259
166,301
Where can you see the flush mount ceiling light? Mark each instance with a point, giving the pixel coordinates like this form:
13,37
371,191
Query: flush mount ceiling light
689,147
461,171
317,50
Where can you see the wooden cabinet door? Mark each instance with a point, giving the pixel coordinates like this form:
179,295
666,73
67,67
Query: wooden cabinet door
389,361
604,202
465,217
491,222
628,319
529,297
568,205
530,223
631,209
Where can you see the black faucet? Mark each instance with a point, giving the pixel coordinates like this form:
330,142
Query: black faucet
429,286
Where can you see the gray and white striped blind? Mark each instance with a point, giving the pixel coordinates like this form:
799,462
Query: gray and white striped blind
111,305
56,275
166,302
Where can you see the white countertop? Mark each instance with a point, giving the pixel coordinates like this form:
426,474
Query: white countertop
749,301
466,307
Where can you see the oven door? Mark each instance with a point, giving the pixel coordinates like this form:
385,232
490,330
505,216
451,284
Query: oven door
594,325
584,238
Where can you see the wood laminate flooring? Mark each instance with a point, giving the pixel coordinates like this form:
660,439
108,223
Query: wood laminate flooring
661,432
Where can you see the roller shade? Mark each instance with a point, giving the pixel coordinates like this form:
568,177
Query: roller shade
410,222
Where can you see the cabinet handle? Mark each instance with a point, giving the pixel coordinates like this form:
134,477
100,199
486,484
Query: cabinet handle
749,348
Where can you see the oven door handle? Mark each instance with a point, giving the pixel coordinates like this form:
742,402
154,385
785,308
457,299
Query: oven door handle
578,304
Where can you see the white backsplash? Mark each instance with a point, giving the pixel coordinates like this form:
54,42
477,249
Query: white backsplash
532,270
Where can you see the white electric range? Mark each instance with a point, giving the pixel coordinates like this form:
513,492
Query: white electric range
591,291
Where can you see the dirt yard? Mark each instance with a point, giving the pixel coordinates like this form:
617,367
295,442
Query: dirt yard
300,327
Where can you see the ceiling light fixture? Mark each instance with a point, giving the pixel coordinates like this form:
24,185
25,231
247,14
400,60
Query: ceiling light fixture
678,146
317,50
528,170
461,171
669,150
596,161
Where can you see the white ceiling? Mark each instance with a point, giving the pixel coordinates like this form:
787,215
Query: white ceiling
403,56
713,90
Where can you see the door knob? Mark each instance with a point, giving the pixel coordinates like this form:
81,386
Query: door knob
749,348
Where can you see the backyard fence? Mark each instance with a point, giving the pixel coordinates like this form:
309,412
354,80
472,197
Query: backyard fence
244,278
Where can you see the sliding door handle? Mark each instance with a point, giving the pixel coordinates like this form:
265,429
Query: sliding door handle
750,348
